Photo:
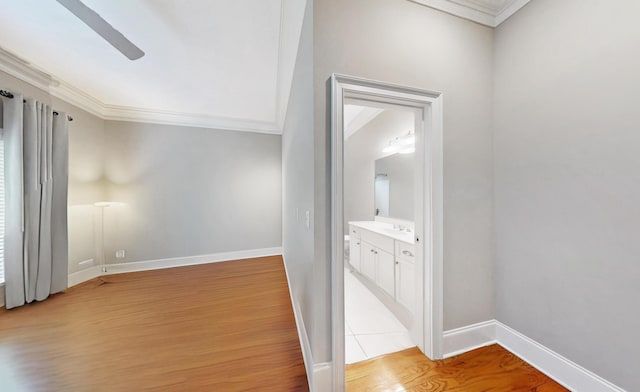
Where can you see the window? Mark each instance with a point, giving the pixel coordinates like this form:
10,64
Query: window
1,206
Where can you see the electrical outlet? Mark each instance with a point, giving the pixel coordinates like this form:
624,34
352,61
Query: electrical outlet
120,254
307,219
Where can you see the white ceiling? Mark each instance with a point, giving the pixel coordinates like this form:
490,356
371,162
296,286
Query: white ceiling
487,12
210,63
356,116
225,63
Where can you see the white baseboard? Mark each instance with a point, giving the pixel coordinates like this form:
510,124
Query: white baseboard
461,340
562,370
322,381
84,275
305,345
565,372
135,266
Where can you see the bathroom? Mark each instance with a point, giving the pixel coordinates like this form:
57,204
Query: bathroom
380,180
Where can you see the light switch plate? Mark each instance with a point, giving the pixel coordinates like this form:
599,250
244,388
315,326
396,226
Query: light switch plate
120,254
307,219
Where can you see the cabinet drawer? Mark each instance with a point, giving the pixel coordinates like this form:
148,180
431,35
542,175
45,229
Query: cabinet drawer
354,232
406,251
380,241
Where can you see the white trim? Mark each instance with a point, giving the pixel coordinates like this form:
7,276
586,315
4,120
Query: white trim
475,11
32,74
23,70
562,370
135,266
305,345
190,260
510,9
429,225
322,377
460,340
125,113
84,275
565,372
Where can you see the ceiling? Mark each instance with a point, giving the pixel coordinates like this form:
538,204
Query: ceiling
357,116
209,63
487,12
221,63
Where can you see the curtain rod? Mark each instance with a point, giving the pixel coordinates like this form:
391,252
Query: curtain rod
9,95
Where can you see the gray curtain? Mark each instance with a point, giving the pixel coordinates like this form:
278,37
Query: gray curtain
36,177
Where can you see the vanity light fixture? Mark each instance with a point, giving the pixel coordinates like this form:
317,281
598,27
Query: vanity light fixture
401,144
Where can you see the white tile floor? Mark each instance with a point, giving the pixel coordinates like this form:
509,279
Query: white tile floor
370,328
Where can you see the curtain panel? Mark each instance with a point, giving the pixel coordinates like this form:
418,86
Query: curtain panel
36,181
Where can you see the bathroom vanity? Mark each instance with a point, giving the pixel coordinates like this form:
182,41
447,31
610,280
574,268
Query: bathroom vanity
384,255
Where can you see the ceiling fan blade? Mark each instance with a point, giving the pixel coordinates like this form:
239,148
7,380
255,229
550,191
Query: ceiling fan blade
103,28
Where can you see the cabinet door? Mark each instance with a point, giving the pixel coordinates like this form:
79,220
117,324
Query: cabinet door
385,278
354,253
405,287
368,261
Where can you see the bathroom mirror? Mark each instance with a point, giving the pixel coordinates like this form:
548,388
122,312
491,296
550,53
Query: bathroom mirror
393,186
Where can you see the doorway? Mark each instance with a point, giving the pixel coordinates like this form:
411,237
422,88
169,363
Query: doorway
425,231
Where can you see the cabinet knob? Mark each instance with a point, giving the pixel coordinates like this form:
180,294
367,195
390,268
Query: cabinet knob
397,262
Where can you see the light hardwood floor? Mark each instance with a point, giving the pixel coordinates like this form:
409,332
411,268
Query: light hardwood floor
488,369
216,327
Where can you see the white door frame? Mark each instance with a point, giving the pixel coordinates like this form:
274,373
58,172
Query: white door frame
429,227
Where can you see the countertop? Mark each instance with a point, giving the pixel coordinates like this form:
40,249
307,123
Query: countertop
386,229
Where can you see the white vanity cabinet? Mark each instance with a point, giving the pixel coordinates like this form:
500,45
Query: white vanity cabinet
385,260
355,250
405,274
368,261
385,272
377,265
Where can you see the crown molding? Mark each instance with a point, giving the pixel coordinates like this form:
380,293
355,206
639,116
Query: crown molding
476,10
125,113
23,70
29,73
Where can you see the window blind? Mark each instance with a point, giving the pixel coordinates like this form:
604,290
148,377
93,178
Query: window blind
1,206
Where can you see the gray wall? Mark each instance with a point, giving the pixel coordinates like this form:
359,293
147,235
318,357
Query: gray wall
187,191
298,188
86,185
190,191
567,181
402,42
360,152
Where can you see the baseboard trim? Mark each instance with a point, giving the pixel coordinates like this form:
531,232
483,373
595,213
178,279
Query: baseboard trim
84,275
305,345
562,370
147,265
471,337
322,380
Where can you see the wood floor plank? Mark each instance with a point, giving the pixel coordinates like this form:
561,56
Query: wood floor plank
488,369
215,327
